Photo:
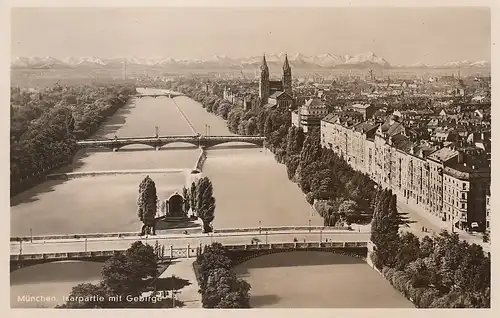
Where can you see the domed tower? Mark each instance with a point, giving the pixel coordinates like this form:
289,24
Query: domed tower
264,81
287,77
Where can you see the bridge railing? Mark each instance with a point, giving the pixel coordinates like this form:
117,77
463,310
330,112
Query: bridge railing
296,245
62,256
260,230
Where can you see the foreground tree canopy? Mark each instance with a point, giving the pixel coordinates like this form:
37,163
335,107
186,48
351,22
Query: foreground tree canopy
123,275
219,286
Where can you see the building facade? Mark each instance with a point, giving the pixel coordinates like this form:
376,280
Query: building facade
310,114
450,183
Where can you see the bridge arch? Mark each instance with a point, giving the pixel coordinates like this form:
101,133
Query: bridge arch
17,265
239,256
180,143
132,146
215,142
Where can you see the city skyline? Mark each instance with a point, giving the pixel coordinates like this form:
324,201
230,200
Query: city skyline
402,36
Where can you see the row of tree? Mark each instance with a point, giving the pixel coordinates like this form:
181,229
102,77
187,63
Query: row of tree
45,125
219,286
438,272
124,277
199,198
342,195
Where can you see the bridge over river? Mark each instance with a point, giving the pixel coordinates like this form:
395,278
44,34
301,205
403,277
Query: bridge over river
159,94
159,141
248,244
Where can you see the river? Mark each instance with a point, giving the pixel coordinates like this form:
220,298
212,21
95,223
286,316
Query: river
250,188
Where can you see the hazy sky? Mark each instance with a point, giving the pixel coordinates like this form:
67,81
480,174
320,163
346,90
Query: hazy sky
400,35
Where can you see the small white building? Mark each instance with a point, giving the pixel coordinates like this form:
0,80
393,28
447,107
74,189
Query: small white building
310,114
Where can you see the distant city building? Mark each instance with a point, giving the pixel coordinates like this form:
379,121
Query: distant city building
366,109
268,88
310,114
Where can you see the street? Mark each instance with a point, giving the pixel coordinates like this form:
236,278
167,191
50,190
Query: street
182,241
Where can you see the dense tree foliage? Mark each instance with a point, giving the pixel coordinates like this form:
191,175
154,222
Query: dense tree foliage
147,205
433,272
144,259
123,275
219,286
185,195
205,203
45,126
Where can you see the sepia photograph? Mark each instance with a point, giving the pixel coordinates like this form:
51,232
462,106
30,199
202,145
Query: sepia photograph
250,157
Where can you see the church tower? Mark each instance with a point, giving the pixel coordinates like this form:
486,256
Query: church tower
287,77
264,81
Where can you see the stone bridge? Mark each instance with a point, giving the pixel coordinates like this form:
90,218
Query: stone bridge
238,253
242,253
25,260
167,94
158,142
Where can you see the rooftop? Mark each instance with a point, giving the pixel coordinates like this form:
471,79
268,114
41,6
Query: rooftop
443,154
314,102
365,126
464,172
360,106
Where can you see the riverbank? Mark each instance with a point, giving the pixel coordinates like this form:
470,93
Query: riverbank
67,125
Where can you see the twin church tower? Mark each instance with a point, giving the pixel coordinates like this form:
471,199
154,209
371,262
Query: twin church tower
267,88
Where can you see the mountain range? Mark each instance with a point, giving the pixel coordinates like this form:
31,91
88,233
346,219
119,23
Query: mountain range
298,60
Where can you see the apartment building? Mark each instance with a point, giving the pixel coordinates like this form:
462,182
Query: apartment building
425,177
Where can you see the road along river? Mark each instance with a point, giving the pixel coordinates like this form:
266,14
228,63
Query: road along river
250,188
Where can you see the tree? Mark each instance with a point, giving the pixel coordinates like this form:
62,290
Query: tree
192,197
292,163
219,286
385,229
225,290
143,260
187,200
121,277
146,203
349,211
408,250
213,256
205,203
426,246
419,273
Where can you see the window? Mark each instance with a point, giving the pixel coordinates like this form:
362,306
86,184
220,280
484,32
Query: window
464,185
463,196
463,205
